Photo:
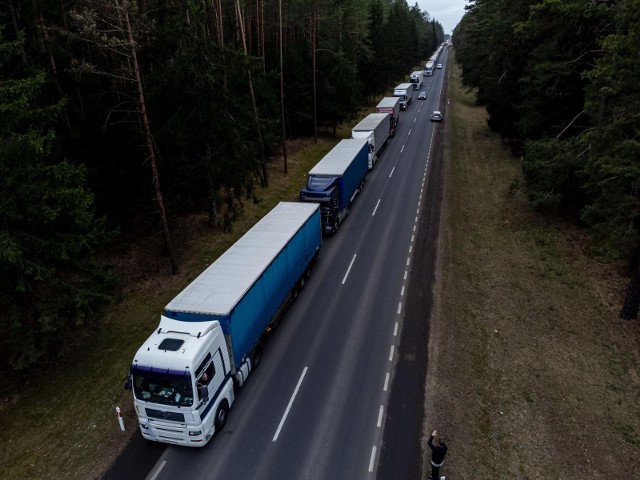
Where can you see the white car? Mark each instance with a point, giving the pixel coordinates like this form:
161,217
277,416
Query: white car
439,66
437,116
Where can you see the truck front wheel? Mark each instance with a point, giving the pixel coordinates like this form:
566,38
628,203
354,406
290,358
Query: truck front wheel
221,415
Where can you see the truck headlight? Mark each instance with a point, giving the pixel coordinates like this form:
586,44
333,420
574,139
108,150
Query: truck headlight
195,434
144,426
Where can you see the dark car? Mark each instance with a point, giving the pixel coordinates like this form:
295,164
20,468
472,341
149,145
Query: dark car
422,96
436,116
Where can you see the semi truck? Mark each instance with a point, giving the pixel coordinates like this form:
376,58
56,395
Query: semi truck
404,92
375,129
416,79
335,181
428,68
210,336
390,105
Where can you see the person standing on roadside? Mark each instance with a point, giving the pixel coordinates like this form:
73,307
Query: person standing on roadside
438,451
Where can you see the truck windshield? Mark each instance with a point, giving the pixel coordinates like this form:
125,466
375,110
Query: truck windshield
167,388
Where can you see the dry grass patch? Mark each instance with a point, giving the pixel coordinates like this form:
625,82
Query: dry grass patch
531,374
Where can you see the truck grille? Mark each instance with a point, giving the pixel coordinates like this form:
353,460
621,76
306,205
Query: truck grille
162,415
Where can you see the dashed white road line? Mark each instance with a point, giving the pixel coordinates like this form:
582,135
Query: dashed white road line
157,472
372,459
349,269
293,397
374,210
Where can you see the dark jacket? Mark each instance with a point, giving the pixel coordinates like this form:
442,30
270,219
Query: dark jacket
438,452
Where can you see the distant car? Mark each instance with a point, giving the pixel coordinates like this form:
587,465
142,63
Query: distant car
422,96
436,116
439,66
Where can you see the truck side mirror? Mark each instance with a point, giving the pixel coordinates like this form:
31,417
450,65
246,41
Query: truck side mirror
128,385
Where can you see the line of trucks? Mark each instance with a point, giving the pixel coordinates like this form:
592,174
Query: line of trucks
210,336
433,60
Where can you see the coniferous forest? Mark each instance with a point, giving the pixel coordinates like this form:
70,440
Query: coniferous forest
117,110
559,80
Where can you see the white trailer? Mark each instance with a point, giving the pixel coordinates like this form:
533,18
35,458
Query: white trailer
375,129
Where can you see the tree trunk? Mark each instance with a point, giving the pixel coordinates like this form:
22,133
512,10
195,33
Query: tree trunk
142,111
313,66
284,130
265,178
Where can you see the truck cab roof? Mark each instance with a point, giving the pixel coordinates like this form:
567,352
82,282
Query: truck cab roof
175,343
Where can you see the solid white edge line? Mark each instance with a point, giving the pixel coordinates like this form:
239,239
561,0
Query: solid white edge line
380,414
375,209
157,472
349,269
293,397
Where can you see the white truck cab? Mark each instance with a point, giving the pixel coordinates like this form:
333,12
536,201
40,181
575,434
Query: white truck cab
182,382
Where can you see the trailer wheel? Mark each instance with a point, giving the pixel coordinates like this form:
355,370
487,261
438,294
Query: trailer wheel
302,281
335,227
256,356
221,415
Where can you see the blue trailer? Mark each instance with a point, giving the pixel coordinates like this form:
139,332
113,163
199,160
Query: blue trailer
336,180
210,336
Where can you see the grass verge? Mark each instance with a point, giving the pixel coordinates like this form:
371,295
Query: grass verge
531,373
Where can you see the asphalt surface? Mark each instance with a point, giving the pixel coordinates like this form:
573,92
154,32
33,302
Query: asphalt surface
348,360
401,454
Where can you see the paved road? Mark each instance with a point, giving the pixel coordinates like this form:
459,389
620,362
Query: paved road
316,407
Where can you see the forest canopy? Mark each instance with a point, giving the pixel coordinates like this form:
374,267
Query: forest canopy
559,80
119,111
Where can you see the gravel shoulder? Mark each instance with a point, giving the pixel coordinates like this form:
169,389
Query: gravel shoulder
530,374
